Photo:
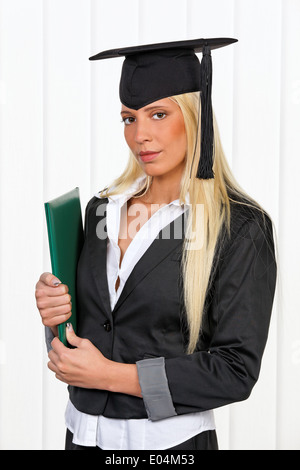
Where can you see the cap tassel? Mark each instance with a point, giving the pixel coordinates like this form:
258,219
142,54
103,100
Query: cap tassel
205,164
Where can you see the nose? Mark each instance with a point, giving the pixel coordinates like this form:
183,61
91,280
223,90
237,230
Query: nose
142,131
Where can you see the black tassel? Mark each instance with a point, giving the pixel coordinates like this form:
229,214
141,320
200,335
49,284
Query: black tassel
205,164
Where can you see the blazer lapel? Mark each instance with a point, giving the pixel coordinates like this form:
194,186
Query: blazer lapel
167,241
97,243
169,238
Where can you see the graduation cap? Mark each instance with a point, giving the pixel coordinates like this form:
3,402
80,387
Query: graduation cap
156,71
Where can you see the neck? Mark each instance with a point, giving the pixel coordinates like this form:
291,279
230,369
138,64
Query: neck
163,190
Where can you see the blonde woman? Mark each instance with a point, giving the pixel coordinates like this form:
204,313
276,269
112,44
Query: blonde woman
176,278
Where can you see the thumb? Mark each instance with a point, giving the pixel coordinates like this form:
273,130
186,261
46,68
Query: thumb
72,338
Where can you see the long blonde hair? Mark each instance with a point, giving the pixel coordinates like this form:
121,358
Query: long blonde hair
212,196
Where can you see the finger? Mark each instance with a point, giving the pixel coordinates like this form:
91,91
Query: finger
42,290
56,371
72,338
58,290
52,367
58,348
53,317
53,358
44,301
55,322
49,279
51,285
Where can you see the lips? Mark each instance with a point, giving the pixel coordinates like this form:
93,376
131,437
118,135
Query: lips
149,155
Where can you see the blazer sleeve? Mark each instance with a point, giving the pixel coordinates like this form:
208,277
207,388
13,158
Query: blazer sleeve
238,316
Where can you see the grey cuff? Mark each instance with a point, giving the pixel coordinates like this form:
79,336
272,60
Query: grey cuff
48,337
155,389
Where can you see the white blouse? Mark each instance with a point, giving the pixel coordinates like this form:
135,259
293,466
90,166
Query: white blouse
134,434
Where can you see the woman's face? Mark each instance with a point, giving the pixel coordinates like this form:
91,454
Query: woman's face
156,136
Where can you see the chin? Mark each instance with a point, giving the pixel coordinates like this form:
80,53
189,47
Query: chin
153,172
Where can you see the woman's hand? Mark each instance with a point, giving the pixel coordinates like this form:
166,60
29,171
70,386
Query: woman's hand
86,367
53,301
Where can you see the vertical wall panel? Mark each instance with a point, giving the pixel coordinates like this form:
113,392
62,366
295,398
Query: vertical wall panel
66,102
113,25
288,357
21,179
256,166
162,21
257,99
216,19
66,95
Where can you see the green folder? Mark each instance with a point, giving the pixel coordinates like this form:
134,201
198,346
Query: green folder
65,235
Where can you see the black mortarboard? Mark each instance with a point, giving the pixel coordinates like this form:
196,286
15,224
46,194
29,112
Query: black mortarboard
156,71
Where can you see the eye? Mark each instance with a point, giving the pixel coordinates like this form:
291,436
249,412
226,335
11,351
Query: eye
159,116
128,120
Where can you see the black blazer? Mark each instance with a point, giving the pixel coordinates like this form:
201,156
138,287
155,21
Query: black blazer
149,320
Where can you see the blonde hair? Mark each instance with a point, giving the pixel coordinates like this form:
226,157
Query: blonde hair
213,196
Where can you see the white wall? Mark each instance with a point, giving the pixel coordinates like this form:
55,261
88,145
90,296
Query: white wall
60,128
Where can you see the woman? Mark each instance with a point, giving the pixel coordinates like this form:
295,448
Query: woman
175,283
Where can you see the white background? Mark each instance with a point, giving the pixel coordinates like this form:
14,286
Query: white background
60,128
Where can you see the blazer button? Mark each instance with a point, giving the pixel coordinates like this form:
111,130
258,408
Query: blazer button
107,326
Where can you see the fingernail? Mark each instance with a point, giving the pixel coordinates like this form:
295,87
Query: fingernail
69,326
56,282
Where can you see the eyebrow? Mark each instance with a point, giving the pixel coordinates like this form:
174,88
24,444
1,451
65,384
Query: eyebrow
149,108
